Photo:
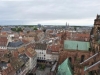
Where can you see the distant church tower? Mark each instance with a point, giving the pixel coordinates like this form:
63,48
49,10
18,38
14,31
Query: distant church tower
67,26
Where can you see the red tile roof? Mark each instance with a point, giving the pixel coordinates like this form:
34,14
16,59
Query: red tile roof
15,53
79,36
2,52
38,31
50,31
3,33
21,50
54,48
32,45
30,52
21,33
83,35
25,41
3,41
9,71
59,35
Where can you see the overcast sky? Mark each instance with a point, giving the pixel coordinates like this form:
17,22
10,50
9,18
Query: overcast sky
47,12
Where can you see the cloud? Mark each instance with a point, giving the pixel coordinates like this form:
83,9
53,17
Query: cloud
48,11
76,22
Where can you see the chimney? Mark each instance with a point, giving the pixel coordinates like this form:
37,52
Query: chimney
20,37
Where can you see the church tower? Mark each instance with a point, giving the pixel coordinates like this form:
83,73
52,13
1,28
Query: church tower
97,25
95,34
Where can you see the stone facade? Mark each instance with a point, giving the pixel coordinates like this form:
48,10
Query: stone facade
85,62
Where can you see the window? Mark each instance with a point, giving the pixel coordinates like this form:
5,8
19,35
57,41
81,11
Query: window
70,59
42,57
82,58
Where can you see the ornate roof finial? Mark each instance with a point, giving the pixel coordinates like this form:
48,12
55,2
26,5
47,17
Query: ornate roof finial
97,15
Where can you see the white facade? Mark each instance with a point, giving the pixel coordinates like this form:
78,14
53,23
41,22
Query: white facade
41,54
26,69
55,57
52,57
32,62
49,57
10,37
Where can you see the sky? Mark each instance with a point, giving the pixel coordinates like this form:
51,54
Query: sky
48,12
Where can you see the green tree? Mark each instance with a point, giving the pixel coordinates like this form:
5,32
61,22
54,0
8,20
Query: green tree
13,29
35,28
16,29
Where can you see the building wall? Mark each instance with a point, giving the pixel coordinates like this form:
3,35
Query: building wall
32,62
73,55
55,57
49,57
28,65
41,54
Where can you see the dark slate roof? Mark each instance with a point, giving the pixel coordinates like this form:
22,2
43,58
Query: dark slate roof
15,44
3,64
6,29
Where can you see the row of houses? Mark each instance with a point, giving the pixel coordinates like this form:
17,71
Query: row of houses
28,48
18,61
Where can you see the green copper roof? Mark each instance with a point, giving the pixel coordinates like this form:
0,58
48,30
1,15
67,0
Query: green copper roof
76,45
85,67
65,68
87,72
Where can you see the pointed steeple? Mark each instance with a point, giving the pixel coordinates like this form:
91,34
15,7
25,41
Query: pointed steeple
97,16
